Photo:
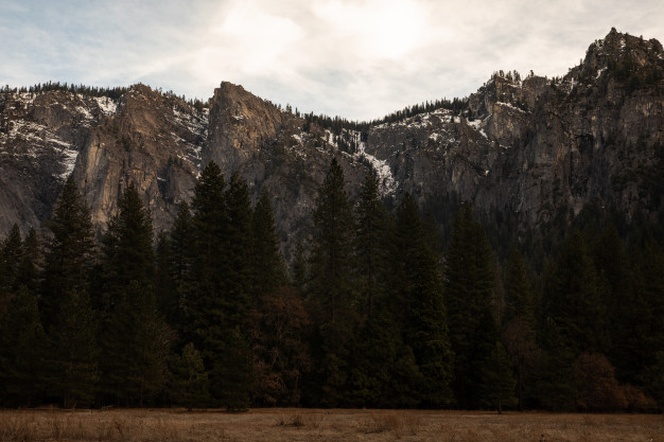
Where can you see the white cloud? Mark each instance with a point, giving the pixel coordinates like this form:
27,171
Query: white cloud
357,58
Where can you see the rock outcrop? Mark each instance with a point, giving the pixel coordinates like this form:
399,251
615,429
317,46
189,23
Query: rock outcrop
531,150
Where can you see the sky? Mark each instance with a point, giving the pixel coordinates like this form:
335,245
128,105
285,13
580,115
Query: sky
358,59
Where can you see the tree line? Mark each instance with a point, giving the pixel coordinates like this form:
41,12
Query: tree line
370,313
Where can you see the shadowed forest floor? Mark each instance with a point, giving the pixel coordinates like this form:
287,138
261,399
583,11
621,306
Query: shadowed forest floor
322,425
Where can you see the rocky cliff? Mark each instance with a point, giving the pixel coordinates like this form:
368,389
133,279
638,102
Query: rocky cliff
528,149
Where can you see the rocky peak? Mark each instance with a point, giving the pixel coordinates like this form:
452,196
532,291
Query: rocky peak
240,125
529,150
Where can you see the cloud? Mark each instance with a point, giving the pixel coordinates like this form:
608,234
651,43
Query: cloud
356,58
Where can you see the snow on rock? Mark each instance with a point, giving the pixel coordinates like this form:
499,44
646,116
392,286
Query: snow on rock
387,183
106,105
69,157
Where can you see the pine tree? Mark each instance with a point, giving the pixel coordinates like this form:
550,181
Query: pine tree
238,242
470,296
498,380
372,247
206,307
331,291
70,251
332,264
135,339
22,352
30,267
179,253
648,307
519,322
74,352
11,255
572,298
190,387
420,299
269,271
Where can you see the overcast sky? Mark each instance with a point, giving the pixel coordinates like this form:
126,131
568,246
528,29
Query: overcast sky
359,59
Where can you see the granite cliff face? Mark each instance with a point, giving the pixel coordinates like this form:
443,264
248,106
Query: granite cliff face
527,149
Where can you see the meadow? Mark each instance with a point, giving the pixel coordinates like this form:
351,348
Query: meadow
275,425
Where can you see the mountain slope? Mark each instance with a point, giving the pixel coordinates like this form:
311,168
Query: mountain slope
527,152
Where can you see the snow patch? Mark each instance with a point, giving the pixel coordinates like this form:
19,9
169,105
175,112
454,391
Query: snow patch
477,125
106,105
386,182
69,157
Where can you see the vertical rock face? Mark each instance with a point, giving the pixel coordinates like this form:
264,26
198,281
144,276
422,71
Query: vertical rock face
532,150
151,140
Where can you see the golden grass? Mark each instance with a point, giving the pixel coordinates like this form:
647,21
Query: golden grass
275,425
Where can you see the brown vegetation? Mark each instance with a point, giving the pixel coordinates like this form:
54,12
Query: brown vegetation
321,425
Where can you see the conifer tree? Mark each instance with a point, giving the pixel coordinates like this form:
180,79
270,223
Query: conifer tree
519,322
135,339
11,255
22,351
190,380
424,316
72,326
331,291
74,353
469,294
238,242
70,251
332,264
30,266
372,247
269,271
178,263
206,307
648,329
572,298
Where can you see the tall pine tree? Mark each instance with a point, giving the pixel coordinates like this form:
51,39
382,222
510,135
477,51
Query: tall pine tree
420,299
70,251
331,291
135,339
470,299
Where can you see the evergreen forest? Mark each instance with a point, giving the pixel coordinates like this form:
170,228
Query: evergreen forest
378,309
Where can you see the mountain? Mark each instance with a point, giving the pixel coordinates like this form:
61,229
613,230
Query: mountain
525,152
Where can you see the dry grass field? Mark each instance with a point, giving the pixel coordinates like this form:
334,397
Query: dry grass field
321,425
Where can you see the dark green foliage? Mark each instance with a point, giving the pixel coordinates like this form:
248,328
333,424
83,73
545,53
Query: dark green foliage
190,385
572,301
220,301
421,306
647,311
135,339
331,291
268,270
519,324
281,354
70,251
11,256
368,322
233,373
498,380
22,352
73,366
372,248
332,263
177,272
30,267
128,248
470,297
238,244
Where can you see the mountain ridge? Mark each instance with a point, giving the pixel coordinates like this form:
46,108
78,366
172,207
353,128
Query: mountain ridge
527,151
